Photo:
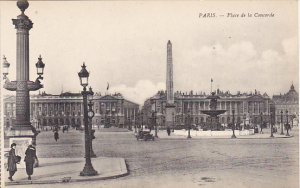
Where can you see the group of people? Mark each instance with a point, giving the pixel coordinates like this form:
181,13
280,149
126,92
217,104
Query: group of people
13,160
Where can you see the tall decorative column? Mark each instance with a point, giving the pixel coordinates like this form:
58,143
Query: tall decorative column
22,132
170,106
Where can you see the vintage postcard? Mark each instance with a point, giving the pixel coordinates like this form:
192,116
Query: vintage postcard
149,94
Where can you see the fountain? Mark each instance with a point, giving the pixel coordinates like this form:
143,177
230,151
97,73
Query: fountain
213,112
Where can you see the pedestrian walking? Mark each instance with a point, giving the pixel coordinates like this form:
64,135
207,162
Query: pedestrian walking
13,159
168,131
287,127
56,136
261,128
30,157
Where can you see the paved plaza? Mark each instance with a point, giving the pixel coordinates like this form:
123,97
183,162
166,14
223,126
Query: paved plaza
169,161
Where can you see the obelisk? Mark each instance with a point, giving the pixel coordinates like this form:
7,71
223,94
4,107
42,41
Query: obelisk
170,107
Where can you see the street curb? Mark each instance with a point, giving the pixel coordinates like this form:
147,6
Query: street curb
67,179
211,137
202,138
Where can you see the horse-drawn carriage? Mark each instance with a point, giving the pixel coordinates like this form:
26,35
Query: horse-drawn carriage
144,135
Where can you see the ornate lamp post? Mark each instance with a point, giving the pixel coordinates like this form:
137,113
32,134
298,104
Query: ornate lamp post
142,116
271,123
88,169
129,124
261,123
106,124
233,125
22,127
189,124
287,123
244,117
281,122
91,114
154,122
292,120
173,117
135,124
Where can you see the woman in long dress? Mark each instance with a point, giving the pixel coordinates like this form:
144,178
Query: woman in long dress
30,157
12,161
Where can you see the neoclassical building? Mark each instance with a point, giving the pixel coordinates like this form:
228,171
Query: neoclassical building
288,103
250,108
67,109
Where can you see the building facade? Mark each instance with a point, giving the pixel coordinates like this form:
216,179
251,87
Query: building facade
47,110
288,103
250,109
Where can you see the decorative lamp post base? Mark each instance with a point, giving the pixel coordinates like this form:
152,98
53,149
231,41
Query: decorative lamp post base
188,137
88,170
233,136
281,133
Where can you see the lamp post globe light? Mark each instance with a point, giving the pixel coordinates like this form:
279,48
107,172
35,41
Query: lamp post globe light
40,67
22,127
88,169
281,122
233,125
5,68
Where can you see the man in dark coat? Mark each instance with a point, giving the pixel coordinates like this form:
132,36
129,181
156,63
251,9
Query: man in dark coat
12,161
56,137
30,157
168,131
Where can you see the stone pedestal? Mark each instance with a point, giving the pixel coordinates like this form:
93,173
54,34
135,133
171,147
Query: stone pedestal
170,114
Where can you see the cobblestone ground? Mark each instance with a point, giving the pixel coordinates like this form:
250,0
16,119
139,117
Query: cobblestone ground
185,163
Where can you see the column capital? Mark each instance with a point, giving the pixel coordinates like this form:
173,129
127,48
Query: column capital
22,22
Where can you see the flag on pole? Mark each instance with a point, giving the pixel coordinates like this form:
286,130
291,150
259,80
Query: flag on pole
107,86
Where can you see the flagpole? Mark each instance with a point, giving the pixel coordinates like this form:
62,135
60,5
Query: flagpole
107,88
211,80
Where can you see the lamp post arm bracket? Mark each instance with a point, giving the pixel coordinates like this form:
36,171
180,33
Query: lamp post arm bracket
33,86
10,85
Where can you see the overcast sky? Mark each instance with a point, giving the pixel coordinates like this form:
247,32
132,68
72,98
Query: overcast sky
124,43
